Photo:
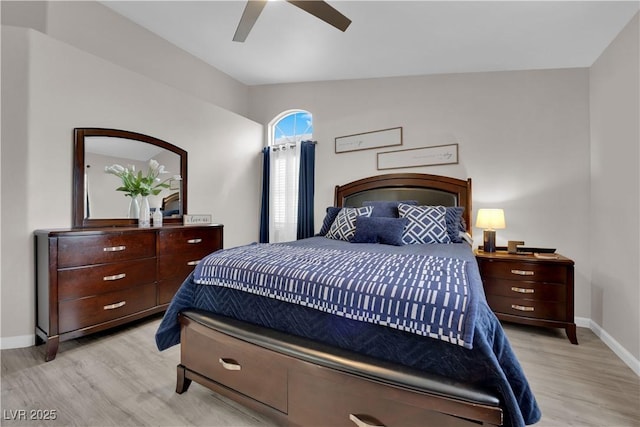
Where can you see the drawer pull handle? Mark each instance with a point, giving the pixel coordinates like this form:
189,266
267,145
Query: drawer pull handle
360,421
115,277
230,364
523,290
521,307
194,241
114,249
114,306
193,262
522,272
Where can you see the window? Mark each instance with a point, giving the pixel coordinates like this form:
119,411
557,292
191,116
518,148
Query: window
285,134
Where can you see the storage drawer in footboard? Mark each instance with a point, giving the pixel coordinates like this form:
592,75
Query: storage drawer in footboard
253,371
322,397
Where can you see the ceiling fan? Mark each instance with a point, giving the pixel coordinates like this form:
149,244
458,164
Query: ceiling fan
319,9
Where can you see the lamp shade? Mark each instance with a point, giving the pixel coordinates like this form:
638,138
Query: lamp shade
490,219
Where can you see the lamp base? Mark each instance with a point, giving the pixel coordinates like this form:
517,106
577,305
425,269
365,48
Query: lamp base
489,244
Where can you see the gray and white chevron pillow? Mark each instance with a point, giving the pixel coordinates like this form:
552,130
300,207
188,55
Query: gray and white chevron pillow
344,226
427,224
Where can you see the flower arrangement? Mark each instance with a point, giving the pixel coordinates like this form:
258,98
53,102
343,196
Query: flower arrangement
139,184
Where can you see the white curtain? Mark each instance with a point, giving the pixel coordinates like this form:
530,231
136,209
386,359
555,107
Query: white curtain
283,203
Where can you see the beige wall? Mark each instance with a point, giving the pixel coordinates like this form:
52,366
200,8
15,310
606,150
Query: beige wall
523,138
94,28
50,87
614,229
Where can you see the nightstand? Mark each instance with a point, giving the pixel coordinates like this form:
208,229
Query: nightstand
522,288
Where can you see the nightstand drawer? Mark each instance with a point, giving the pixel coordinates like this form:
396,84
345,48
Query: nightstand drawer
523,271
549,310
524,289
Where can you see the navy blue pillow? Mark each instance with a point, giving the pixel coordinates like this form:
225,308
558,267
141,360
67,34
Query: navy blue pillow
332,213
387,208
387,231
455,223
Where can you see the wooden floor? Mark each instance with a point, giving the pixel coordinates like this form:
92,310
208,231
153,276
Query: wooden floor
121,379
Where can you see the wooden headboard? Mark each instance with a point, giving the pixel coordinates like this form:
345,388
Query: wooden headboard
434,190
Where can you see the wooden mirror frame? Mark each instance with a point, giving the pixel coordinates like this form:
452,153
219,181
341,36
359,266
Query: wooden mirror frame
79,134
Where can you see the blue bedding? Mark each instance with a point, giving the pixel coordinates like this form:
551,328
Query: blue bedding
484,357
425,295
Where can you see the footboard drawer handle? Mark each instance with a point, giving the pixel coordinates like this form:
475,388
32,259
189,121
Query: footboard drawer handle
114,249
114,306
115,277
521,307
193,262
523,290
194,241
230,364
522,272
364,421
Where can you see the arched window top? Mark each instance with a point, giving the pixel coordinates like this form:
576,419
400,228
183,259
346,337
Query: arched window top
291,126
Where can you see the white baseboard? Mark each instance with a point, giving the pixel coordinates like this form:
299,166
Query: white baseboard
17,342
614,345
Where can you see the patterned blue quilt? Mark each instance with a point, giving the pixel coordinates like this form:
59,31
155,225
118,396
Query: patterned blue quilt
486,358
421,294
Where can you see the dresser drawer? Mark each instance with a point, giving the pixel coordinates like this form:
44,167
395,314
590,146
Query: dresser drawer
80,250
167,288
253,371
83,312
179,265
197,240
92,280
548,310
525,289
530,271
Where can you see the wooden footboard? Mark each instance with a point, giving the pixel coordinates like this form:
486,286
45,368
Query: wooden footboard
300,382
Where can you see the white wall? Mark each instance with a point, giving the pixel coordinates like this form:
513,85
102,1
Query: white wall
49,88
614,231
523,139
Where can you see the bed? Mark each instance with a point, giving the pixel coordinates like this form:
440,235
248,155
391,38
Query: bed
357,325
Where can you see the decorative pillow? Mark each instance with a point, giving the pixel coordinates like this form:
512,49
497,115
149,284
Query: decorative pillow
387,208
455,223
426,224
332,212
344,226
387,231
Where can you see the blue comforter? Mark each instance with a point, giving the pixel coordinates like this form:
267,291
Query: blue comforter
487,360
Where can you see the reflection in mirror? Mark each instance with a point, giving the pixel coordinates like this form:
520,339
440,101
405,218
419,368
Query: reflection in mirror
102,201
96,200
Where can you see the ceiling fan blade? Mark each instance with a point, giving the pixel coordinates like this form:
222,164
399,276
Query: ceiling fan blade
251,12
324,11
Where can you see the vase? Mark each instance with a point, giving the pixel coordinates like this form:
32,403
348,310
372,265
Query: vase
134,207
144,218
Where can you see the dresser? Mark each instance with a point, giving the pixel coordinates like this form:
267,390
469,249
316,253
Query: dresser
522,288
93,279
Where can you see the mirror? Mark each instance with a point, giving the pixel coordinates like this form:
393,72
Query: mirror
96,200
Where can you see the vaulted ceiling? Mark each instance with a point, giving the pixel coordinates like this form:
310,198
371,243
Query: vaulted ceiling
386,38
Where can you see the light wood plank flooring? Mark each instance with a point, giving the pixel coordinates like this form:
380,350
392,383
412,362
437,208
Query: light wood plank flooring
121,379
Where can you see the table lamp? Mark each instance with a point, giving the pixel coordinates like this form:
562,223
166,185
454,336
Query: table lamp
490,220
